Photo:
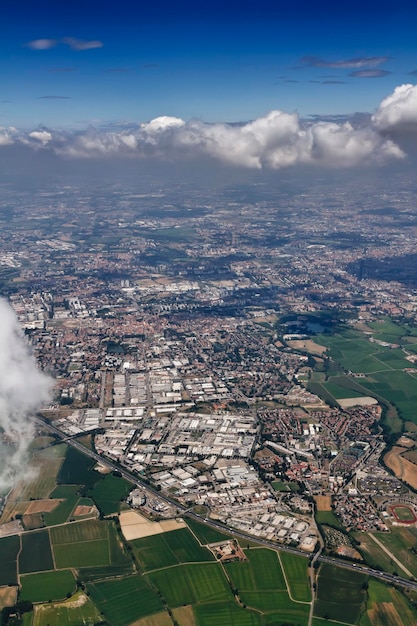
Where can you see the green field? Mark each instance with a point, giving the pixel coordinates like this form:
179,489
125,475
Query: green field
89,530
42,587
108,492
89,543
170,548
279,485
81,544
9,549
260,581
189,584
327,517
340,594
36,554
125,600
295,568
62,512
67,613
383,367
389,606
204,533
77,469
400,541
226,613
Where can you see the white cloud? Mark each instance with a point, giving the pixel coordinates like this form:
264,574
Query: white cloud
41,135
42,44
80,44
398,110
23,388
275,140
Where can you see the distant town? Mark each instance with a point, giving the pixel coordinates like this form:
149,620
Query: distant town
190,333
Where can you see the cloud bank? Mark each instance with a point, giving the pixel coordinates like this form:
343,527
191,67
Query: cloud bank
274,141
23,388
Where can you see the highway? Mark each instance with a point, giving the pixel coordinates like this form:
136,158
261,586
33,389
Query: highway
135,480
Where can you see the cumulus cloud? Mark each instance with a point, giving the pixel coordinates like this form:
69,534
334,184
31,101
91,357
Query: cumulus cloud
23,388
398,111
42,136
276,140
356,62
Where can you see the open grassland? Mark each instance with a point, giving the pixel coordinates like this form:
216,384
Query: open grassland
226,613
204,533
340,595
125,600
9,549
329,518
295,568
108,492
42,587
36,554
170,548
400,542
77,610
387,607
188,584
374,555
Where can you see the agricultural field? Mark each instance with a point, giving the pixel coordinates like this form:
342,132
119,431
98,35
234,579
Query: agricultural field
125,600
189,584
387,606
89,543
374,555
72,612
42,587
261,585
341,594
169,548
400,542
8,596
108,492
9,549
36,554
230,613
77,469
204,533
295,569
382,365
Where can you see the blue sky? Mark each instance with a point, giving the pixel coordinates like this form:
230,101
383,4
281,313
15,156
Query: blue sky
69,64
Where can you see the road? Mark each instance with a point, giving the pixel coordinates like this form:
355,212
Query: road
135,480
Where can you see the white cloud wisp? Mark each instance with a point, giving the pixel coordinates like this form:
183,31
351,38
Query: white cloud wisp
23,388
